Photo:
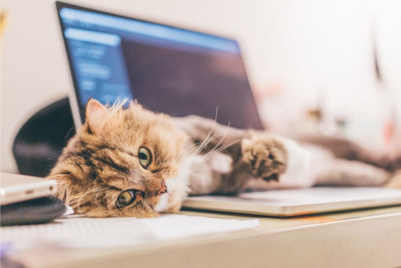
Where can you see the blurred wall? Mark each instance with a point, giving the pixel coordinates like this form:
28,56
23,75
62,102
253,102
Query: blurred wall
294,50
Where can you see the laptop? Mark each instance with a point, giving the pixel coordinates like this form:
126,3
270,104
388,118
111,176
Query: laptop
182,72
165,68
17,188
297,202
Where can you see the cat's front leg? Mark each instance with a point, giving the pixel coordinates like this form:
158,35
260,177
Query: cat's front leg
264,156
273,157
268,157
254,154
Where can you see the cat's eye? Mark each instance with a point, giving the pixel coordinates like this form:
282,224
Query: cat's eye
144,157
125,198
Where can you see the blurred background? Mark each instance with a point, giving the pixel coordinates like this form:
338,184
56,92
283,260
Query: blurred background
328,67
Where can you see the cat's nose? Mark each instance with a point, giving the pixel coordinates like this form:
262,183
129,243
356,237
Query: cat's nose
163,188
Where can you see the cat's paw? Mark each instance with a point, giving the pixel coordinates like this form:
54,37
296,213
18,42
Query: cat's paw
264,156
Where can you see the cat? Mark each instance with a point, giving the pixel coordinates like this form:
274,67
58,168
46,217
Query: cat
136,163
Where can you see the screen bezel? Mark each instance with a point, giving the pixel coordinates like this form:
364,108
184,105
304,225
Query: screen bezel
74,96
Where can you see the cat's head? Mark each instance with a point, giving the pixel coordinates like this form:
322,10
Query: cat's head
122,162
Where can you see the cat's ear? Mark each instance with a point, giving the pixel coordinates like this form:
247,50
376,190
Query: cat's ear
96,116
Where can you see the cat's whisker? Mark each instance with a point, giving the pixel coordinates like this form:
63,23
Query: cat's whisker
197,168
212,153
206,140
204,144
189,148
209,155
190,153
185,152
200,147
218,144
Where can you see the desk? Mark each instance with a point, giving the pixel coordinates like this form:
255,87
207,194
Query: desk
367,238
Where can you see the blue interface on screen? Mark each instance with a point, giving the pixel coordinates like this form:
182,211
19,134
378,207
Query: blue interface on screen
161,66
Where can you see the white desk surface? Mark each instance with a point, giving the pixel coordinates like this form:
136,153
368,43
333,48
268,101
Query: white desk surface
367,238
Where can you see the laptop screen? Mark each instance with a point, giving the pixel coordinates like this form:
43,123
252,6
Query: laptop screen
166,69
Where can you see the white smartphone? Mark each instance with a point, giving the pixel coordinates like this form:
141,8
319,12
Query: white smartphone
16,188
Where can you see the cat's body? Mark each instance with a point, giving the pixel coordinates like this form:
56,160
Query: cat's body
136,163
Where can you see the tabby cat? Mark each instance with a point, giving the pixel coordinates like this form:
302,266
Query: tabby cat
136,163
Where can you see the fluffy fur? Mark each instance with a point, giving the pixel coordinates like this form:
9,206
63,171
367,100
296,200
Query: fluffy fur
192,155
102,160
188,154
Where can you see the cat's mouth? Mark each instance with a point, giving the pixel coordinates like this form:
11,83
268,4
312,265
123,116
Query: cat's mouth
171,185
162,203
168,188
163,189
